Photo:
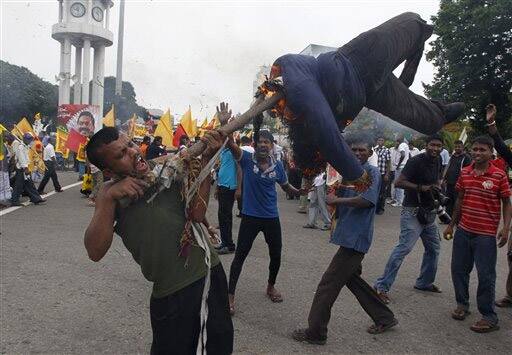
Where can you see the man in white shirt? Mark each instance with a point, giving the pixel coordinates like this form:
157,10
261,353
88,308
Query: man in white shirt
413,151
317,204
22,180
50,162
403,156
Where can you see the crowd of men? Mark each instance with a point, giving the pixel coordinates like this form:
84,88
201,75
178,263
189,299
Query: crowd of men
470,186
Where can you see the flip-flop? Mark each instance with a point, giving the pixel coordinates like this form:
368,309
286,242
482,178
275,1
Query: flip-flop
483,326
460,314
504,302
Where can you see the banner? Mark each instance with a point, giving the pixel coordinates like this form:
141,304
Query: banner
84,119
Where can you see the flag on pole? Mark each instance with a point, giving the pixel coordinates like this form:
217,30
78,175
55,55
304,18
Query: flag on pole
80,155
110,119
22,127
131,125
184,128
164,129
61,143
203,128
2,129
74,140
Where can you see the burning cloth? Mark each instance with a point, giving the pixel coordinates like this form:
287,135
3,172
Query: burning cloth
325,94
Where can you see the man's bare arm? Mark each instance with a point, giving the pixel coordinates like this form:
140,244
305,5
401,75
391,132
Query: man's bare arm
356,201
99,233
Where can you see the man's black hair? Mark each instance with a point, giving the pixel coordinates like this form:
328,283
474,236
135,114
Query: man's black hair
102,137
183,140
146,139
265,134
458,141
245,140
88,114
359,138
485,140
433,137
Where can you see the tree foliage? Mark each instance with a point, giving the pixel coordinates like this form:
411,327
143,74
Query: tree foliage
23,94
473,58
126,105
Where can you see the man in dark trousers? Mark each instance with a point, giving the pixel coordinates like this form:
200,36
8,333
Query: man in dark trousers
50,162
354,234
458,160
505,152
324,94
153,233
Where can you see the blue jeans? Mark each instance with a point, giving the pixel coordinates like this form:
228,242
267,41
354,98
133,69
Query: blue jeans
410,231
399,193
81,169
480,250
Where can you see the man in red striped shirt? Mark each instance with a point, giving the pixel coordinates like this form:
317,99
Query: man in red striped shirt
482,190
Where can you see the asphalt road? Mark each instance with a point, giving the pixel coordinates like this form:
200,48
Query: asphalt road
55,300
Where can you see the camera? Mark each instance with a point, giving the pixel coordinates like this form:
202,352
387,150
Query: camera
440,200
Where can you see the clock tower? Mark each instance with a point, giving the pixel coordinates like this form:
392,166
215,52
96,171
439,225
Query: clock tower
83,24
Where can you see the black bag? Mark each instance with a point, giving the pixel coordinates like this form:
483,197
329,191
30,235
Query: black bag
426,216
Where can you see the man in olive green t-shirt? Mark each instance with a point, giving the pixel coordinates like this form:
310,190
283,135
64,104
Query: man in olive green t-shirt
152,233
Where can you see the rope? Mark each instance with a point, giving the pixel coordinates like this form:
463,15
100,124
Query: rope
201,239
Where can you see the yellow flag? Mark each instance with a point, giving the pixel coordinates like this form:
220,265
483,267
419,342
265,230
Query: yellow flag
131,126
164,129
81,156
2,128
60,144
35,161
188,124
214,123
37,116
23,127
110,119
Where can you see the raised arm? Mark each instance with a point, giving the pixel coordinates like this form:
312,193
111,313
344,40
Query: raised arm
499,144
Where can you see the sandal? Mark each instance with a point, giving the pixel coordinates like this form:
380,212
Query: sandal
381,328
432,288
460,313
505,302
484,326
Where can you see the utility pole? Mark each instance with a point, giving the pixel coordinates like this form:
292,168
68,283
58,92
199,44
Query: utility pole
119,72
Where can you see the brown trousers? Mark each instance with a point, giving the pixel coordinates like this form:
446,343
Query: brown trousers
344,269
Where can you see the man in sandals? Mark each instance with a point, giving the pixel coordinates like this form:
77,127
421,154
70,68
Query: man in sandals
353,233
482,190
259,211
506,154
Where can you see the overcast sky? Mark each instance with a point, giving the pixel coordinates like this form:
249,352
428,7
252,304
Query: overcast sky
180,53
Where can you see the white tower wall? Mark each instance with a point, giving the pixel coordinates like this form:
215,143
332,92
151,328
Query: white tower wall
83,24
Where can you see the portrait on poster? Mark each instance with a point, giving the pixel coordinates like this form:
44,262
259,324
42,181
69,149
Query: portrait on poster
84,119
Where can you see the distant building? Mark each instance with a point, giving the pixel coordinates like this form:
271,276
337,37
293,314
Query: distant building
315,50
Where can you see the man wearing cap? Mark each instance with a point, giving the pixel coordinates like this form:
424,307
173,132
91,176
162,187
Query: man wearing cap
22,180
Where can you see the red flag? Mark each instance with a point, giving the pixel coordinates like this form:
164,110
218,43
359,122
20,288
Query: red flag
180,131
74,141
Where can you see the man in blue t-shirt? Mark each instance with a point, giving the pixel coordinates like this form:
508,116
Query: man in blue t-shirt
227,186
353,233
259,212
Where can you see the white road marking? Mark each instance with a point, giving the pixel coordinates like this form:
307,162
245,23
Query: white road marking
14,208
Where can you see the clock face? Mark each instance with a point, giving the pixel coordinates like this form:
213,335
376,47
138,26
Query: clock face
97,14
77,9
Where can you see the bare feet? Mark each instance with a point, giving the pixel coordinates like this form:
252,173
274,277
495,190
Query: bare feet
273,294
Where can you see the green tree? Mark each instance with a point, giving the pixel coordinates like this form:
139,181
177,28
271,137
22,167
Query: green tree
473,58
23,94
126,105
